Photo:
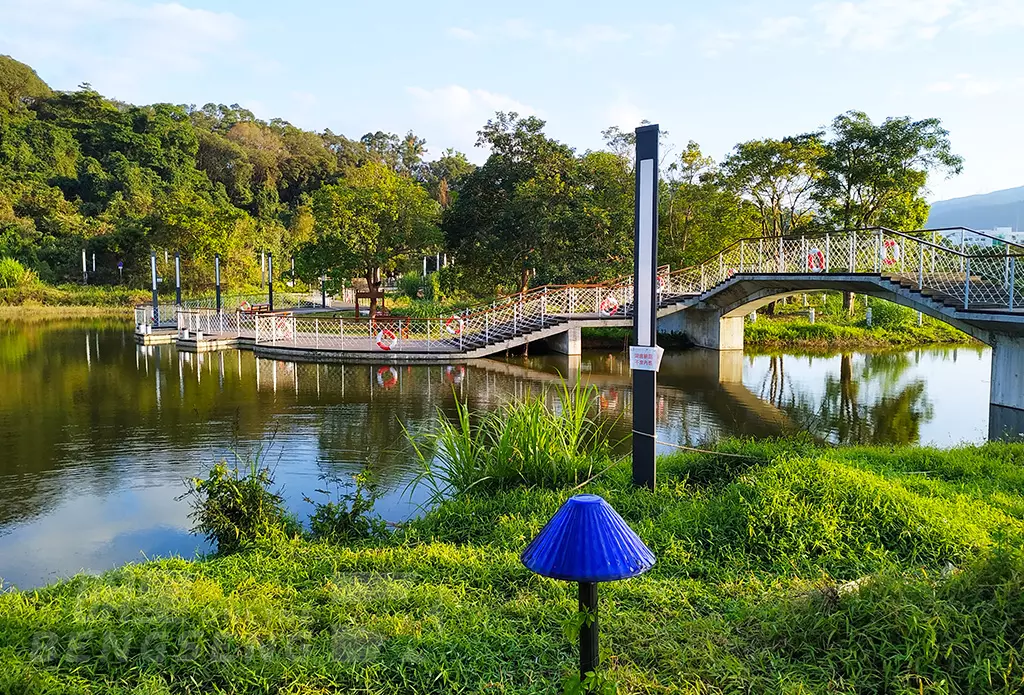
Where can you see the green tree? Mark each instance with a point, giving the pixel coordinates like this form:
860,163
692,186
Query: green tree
778,177
699,215
519,214
877,174
371,223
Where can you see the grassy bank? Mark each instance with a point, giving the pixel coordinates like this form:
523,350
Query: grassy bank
797,332
789,569
40,294
35,312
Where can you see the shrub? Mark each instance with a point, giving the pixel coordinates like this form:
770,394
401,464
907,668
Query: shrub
350,518
410,283
233,506
14,274
888,315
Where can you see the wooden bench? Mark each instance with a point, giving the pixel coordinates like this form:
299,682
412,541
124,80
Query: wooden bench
256,309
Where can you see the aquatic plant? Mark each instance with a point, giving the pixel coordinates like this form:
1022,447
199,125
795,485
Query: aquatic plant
549,439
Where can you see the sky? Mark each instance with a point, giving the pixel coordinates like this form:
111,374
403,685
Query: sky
716,73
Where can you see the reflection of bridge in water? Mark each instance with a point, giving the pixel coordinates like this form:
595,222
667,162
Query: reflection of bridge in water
697,382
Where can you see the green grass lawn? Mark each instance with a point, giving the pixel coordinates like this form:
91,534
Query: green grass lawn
791,570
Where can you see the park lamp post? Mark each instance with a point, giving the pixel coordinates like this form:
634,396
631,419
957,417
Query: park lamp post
586,541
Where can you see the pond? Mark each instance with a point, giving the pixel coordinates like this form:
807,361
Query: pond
97,434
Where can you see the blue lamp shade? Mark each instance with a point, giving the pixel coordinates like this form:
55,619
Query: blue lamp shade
587,541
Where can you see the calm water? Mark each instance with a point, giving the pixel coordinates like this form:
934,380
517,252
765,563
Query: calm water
98,434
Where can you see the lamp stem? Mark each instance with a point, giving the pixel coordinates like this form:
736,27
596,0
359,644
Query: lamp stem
589,654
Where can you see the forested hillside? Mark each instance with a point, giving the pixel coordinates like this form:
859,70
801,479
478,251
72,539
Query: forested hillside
82,171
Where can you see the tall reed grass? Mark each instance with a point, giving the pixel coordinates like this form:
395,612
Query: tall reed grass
550,439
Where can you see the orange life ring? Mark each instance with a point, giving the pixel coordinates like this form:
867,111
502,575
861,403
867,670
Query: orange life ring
392,377
454,374
609,305
815,260
386,339
454,325
892,251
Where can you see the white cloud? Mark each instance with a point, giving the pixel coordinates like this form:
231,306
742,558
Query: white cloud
582,39
872,25
875,24
720,42
779,28
145,40
625,114
454,113
462,34
965,84
586,38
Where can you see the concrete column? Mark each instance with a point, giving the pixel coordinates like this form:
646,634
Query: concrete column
568,343
705,328
1006,414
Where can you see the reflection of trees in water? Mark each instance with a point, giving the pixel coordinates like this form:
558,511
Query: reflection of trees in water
891,412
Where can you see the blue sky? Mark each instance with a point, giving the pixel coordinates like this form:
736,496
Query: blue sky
717,73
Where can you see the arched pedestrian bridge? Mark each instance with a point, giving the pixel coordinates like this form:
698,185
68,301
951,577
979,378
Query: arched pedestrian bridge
958,277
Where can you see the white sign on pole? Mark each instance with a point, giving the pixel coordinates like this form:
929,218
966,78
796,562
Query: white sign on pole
645,358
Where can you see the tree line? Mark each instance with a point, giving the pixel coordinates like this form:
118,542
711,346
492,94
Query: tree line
78,170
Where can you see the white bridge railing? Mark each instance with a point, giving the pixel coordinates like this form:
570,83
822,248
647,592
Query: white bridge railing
960,270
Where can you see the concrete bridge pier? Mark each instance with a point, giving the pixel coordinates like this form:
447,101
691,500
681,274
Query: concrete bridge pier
1006,412
568,343
706,328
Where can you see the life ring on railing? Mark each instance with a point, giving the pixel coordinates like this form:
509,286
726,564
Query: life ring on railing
891,252
245,306
454,375
284,328
386,339
609,306
391,379
661,284
454,325
815,260
730,272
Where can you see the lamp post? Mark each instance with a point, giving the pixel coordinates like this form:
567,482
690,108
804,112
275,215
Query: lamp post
270,281
216,277
586,541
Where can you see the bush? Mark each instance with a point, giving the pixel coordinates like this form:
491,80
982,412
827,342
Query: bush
14,274
410,284
888,315
349,518
233,506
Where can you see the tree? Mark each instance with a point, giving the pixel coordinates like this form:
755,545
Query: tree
370,223
778,177
699,215
445,175
19,82
522,213
877,174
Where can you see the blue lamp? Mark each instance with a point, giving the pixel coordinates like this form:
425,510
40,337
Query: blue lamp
586,541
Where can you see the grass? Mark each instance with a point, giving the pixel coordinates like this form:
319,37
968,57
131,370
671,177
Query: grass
786,569
783,332
37,294
533,441
32,313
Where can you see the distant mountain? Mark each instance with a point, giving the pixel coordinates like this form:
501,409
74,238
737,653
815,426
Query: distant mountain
986,211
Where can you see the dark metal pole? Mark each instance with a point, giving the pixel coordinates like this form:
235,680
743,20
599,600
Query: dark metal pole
270,281
323,290
177,278
156,300
216,274
589,654
645,305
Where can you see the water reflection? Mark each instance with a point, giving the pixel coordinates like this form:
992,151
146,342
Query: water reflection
97,434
